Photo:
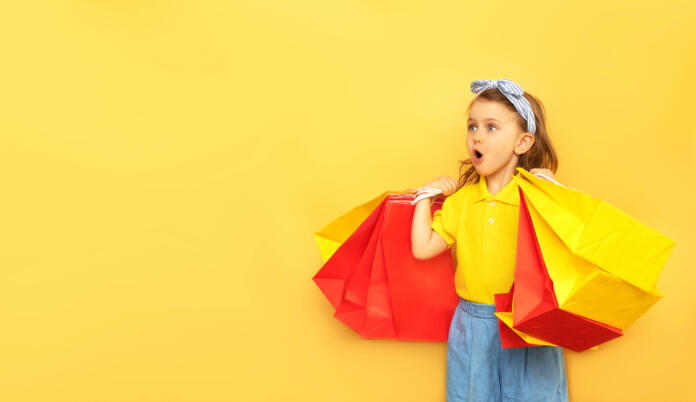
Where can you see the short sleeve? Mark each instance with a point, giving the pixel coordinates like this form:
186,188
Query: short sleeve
445,220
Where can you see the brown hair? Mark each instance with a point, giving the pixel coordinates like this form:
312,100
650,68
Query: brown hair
540,155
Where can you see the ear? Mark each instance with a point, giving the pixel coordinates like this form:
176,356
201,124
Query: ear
524,142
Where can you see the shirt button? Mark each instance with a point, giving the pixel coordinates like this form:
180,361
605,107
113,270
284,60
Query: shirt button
490,220
492,202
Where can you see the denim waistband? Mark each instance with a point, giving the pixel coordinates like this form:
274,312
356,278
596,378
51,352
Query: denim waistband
478,309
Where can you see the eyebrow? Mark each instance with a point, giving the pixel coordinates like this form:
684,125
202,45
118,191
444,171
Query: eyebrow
489,119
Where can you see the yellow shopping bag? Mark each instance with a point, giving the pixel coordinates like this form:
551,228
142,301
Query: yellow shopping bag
604,264
331,236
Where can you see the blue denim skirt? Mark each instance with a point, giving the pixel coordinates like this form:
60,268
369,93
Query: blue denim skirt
480,370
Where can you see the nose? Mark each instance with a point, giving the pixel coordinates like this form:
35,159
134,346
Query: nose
477,137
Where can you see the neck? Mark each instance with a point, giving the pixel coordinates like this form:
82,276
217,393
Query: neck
499,179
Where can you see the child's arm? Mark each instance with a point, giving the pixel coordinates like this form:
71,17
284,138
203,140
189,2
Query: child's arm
425,242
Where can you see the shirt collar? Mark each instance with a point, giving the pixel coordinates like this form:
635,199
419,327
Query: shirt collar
508,194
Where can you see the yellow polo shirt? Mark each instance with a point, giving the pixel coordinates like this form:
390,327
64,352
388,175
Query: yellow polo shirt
483,228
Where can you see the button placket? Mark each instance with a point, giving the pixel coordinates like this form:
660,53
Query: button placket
490,237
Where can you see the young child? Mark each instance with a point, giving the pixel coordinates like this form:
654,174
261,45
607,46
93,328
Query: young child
506,129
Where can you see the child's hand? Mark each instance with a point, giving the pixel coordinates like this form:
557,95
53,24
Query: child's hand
445,183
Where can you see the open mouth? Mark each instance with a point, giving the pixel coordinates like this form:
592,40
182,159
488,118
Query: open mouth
478,157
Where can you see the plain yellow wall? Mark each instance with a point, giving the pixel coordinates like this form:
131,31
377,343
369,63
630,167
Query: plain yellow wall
164,165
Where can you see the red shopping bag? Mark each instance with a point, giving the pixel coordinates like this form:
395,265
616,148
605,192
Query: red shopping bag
379,289
533,303
508,337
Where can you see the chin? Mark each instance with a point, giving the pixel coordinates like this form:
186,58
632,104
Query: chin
482,171
486,171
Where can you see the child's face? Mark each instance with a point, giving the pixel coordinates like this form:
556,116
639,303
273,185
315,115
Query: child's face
492,129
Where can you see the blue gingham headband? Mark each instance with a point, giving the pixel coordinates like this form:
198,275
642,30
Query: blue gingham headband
514,93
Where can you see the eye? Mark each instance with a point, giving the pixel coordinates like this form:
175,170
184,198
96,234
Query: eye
489,126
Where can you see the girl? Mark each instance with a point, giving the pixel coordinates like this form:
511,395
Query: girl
506,129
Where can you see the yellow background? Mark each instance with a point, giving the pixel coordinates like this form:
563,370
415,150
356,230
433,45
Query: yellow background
164,165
